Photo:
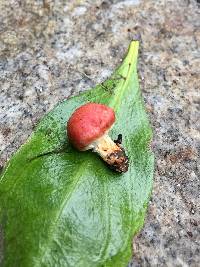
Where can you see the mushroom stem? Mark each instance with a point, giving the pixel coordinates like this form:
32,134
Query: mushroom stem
113,154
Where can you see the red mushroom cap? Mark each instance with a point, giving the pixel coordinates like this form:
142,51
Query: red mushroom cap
88,123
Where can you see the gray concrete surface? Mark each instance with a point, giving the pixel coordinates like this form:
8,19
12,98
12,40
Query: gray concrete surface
46,46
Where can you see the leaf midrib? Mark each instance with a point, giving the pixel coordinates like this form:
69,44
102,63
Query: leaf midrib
70,189
131,58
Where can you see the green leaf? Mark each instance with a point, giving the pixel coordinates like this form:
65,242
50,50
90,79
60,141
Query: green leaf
61,207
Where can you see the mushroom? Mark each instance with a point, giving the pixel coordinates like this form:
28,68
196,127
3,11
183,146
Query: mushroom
88,128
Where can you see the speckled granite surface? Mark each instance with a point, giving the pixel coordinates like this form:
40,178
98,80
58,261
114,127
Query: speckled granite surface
48,51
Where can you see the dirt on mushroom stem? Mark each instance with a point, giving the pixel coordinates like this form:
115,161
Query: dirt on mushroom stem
118,161
111,152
